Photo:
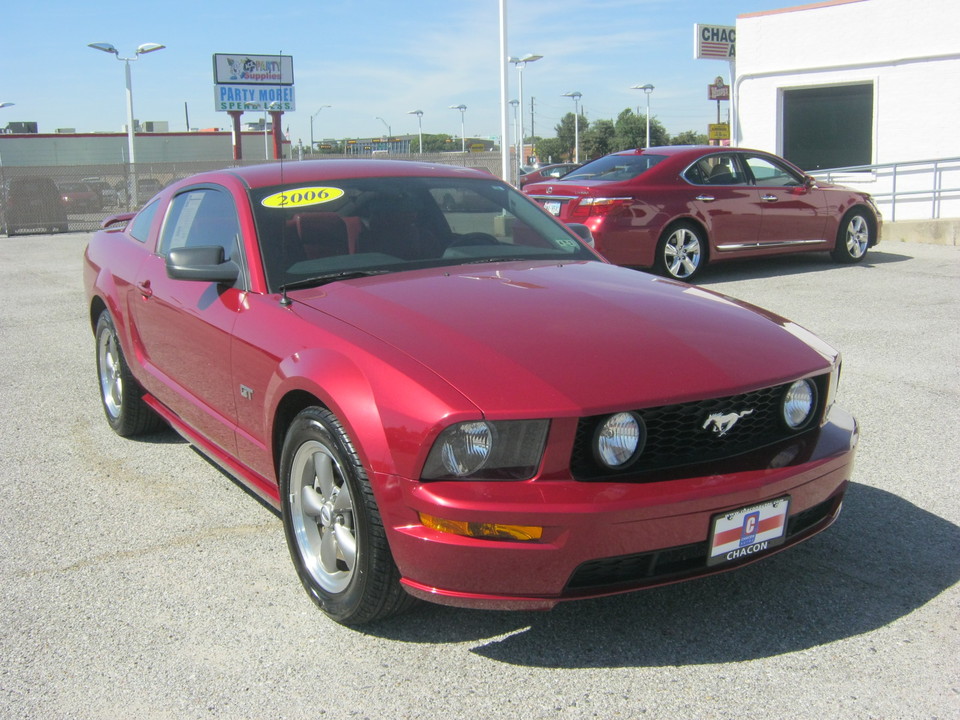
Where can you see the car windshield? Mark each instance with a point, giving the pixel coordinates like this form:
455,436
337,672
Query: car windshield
614,168
336,229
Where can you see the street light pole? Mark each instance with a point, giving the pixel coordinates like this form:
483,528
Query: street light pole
419,114
576,95
311,125
521,62
142,50
463,140
648,88
515,104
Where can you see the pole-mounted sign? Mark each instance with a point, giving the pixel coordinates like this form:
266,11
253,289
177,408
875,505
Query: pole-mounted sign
253,82
714,42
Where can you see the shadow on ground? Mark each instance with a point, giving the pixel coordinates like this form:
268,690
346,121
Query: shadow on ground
884,558
785,265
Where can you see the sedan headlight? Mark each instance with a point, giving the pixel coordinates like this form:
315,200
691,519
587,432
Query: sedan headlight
619,440
799,404
485,450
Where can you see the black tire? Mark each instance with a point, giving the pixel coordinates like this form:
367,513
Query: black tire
681,252
854,237
332,525
120,393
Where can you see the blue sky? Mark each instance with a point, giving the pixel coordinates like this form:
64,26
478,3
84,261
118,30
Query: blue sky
367,59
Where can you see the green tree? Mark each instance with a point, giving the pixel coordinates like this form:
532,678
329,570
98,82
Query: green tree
689,137
435,143
567,132
631,131
550,150
598,140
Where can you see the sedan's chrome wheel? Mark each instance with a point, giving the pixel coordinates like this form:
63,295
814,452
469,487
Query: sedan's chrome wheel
111,373
682,253
857,237
322,515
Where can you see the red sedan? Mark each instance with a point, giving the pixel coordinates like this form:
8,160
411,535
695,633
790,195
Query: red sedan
676,208
469,406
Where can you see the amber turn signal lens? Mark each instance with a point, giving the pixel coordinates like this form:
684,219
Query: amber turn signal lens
490,531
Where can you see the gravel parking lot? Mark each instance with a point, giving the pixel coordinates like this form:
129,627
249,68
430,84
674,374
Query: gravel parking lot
137,580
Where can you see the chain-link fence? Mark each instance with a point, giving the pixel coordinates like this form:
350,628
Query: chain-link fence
78,197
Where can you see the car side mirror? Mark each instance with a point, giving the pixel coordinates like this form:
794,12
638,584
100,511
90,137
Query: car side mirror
582,232
204,263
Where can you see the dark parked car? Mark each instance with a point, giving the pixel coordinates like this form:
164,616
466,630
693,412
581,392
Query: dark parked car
108,194
547,172
471,408
79,197
676,208
147,187
32,203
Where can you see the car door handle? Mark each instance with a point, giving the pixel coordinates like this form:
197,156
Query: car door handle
144,288
769,198
705,198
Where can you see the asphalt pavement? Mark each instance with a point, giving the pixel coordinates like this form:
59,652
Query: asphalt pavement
138,581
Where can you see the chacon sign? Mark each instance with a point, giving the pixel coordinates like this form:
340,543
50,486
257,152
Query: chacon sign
714,42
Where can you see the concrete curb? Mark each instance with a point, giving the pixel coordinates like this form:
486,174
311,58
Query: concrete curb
934,232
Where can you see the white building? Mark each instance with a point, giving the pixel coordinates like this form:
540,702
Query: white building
857,82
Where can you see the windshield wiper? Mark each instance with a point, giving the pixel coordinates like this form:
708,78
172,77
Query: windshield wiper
318,280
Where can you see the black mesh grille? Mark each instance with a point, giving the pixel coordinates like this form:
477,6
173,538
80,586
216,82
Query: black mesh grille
676,435
678,562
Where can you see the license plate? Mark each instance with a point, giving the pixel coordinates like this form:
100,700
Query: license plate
552,207
738,534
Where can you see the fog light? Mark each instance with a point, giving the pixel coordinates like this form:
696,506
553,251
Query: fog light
491,531
799,403
619,440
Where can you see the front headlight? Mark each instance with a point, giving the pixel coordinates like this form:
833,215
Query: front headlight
799,404
487,450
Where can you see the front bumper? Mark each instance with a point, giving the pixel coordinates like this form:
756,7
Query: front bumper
600,538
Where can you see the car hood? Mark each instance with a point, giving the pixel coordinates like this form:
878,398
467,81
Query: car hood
556,339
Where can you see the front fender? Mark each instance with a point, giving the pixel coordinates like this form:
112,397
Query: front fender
391,406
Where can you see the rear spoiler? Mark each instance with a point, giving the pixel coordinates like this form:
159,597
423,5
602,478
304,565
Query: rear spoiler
113,220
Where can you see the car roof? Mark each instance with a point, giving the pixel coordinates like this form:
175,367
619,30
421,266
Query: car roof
256,176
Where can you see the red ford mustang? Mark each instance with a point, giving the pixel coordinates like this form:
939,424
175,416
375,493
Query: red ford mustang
464,406
676,208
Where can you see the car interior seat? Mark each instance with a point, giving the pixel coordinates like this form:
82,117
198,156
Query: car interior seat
315,235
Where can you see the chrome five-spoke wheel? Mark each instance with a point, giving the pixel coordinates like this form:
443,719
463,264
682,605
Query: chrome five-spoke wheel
332,523
322,514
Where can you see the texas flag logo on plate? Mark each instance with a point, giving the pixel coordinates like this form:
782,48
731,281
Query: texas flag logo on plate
741,533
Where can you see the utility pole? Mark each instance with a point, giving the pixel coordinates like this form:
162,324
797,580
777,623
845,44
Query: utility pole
532,133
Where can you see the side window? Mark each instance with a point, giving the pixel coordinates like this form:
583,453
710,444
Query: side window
202,216
772,174
718,169
140,225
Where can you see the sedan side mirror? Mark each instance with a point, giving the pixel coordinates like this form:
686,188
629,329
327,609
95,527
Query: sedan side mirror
203,264
582,232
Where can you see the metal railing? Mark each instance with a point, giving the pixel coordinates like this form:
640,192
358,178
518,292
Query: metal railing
920,189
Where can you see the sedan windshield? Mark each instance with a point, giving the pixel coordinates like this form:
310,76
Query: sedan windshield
338,229
614,168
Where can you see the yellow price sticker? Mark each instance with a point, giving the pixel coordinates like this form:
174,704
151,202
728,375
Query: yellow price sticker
302,197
